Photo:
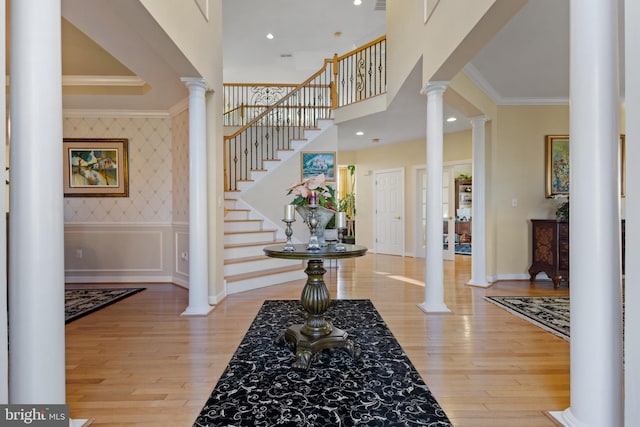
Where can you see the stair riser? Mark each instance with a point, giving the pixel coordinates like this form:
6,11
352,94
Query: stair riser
258,236
252,266
244,251
237,215
263,281
242,226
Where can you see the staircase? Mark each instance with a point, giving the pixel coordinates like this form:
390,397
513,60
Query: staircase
246,233
245,265
267,137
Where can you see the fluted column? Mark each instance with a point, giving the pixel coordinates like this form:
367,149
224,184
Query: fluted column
632,248
198,267
434,275
36,252
479,258
4,331
596,296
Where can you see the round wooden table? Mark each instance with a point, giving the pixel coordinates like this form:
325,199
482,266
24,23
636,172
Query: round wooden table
317,333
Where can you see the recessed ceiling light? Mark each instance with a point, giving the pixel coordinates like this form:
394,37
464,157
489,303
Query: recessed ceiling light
270,36
357,2
451,119
359,133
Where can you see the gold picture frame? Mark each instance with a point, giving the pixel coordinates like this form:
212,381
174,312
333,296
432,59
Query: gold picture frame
557,165
96,167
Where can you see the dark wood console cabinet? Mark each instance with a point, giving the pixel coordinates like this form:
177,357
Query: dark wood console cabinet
550,249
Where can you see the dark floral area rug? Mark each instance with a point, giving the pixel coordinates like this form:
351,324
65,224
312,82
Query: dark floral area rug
80,302
381,388
549,313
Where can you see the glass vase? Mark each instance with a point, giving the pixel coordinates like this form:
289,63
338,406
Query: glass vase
324,216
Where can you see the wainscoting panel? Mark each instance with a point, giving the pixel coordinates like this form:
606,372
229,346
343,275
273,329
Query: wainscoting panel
119,252
181,239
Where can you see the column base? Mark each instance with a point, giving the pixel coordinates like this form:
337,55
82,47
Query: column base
434,308
478,284
198,311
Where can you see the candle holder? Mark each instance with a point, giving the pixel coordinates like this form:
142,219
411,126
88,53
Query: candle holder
340,247
288,246
312,222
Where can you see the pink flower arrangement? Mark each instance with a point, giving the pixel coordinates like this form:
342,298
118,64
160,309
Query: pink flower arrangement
326,193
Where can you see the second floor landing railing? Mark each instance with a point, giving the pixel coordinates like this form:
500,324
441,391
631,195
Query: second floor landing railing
271,116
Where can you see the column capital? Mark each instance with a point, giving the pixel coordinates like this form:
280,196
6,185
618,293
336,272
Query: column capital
478,120
434,87
195,82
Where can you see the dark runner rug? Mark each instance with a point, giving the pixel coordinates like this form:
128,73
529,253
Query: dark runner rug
381,388
80,302
549,313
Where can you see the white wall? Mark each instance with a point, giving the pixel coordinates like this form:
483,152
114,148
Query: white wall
269,195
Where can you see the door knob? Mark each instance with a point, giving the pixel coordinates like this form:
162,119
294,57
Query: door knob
398,217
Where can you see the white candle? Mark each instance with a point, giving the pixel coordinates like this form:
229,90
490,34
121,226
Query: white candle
289,213
341,220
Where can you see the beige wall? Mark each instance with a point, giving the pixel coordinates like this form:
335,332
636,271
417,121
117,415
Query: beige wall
457,146
191,30
467,25
518,173
410,156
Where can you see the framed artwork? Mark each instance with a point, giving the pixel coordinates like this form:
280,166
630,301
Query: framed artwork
96,167
557,165
315,163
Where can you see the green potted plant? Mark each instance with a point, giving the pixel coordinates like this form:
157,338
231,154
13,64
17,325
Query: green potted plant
348,205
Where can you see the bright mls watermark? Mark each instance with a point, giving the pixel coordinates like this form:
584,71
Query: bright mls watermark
34,415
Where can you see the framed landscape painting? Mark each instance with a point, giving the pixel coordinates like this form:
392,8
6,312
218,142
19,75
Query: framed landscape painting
95,167
315,163
557,165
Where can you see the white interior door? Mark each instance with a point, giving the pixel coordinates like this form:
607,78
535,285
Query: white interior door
448,214
389,212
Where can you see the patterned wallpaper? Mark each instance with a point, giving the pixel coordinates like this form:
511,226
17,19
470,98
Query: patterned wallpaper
150,170
180,148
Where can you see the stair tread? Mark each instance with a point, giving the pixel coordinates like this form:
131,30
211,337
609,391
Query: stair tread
246,245
237,210
265,272
244,220
249,232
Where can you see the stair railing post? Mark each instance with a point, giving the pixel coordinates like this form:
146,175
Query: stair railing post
334,83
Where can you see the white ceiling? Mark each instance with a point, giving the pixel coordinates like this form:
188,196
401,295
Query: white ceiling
527,62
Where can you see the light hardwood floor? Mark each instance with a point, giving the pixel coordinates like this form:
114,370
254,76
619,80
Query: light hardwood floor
138,362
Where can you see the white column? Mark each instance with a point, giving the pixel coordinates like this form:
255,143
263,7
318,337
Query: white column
434,274
479,258
632,246
596,309
198,267
4,331
36,283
